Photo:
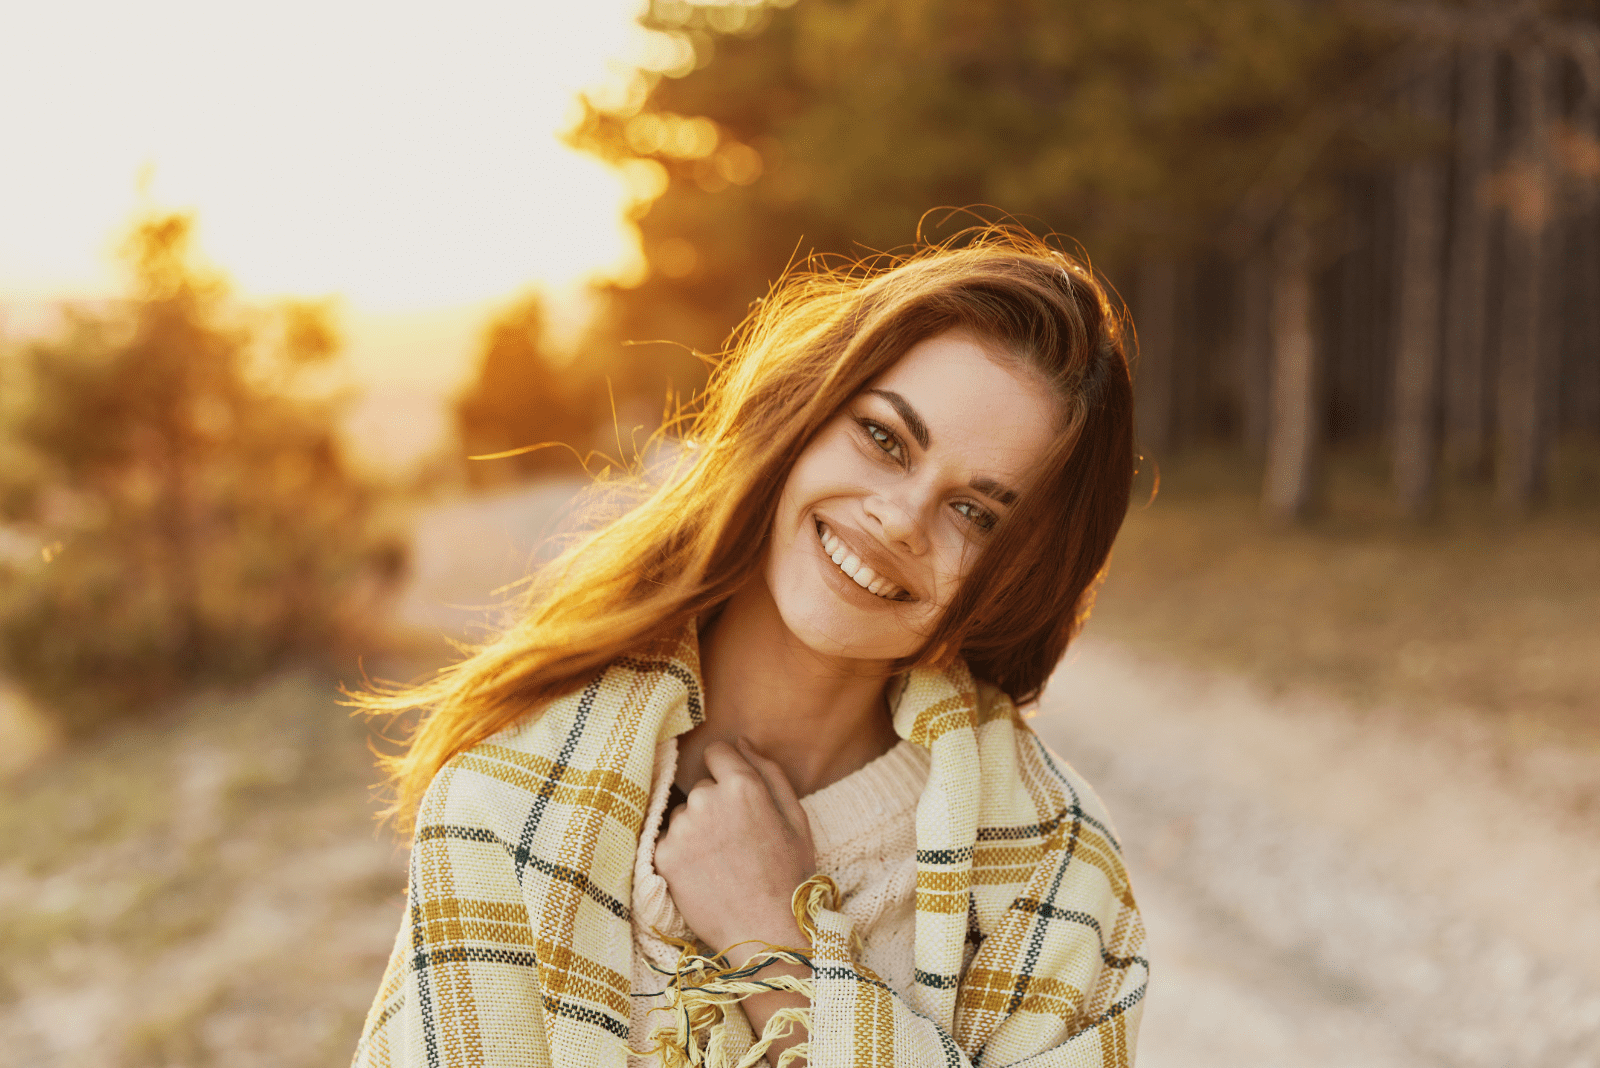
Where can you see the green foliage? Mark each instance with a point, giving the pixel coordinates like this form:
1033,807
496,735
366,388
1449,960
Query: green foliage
524,398
1136,127
197,521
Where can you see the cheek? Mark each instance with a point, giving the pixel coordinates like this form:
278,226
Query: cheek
954,562
829,467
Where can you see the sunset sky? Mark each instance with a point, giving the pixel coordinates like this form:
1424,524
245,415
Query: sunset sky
402,156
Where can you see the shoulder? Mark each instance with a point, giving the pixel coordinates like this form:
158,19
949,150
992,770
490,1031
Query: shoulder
487,786
593,746
1078,796
1058,792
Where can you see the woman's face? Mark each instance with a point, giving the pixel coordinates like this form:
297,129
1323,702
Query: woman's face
886,510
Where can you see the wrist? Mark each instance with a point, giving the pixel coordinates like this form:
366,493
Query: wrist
761,1007
785,935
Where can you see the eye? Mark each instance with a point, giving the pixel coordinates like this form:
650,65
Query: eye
885,440
977,515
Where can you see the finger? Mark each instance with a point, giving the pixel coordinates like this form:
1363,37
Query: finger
778,786
667,844
777,782
724,762
673,820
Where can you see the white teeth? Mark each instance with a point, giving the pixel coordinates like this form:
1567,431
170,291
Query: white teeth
862,575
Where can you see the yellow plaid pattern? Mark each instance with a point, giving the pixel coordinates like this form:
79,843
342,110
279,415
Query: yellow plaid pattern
516,947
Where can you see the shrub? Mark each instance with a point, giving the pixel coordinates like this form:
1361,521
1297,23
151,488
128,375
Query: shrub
197,521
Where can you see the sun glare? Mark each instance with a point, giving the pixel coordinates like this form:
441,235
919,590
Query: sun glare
401,155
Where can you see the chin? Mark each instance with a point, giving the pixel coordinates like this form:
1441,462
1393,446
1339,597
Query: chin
830,625
836,638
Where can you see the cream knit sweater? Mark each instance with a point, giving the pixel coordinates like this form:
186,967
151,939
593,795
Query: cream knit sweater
864,828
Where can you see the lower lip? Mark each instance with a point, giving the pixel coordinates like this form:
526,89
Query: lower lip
848,585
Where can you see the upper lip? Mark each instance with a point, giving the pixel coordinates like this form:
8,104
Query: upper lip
873,557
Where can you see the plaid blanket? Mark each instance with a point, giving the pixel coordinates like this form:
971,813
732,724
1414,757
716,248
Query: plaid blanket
516,946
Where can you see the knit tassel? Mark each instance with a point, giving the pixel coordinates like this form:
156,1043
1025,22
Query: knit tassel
811,897
703,987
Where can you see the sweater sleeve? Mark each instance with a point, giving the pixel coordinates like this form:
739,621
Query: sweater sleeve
858,1019
462,983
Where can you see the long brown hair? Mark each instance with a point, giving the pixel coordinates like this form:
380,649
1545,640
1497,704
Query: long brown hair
816,340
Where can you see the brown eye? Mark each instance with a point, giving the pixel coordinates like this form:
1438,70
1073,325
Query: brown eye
979,517
884,439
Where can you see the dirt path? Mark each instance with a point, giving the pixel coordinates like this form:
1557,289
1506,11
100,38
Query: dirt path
203,890
1322,888
1329,889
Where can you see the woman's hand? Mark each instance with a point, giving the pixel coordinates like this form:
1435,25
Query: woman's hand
735,851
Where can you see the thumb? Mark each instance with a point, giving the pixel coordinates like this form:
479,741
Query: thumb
783,794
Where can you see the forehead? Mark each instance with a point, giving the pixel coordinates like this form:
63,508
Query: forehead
995,415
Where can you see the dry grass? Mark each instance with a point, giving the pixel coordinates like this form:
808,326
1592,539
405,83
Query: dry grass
1473,612
205,889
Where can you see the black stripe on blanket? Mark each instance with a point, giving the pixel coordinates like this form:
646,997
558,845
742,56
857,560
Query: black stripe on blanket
559,872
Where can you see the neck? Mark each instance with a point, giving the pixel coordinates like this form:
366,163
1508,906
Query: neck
820,718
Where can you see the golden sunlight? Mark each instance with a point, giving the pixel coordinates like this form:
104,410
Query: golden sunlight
401,155
404,157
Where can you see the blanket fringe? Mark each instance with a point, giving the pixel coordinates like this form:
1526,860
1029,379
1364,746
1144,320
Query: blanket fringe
702,989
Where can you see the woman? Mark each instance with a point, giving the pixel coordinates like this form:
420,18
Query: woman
771,713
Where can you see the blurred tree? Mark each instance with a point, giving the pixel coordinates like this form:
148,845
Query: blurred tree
1418,364
1522,411
198,521
1467,298
1294,442
1179,140
1139,128
525,397
1152,130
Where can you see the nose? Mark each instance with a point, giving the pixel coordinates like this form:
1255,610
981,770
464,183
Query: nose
900,520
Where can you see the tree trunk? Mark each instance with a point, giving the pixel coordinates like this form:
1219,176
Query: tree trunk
1294,428
1520,467
1202,320
1466,348
1354,344
1417,357
1580,373
1156,378
1253,348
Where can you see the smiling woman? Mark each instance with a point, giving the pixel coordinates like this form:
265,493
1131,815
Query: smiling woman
775,707
898,492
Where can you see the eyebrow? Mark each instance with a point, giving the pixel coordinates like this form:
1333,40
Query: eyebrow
919,430
994,490
908,414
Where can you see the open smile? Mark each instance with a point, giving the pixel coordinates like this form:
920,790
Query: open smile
854,569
